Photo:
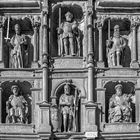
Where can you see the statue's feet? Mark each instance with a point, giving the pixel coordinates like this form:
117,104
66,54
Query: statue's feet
73,54
13,122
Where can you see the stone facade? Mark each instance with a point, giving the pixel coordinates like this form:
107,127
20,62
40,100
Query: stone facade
69,69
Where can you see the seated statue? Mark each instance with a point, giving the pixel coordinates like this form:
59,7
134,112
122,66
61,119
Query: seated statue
115,48
69,36
16,107
119,106
18,47
69,107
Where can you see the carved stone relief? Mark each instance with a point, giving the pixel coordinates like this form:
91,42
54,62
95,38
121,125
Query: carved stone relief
21,41
69,30
120,102
16,102
66,116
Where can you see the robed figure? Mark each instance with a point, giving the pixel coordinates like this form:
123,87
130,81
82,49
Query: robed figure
18,49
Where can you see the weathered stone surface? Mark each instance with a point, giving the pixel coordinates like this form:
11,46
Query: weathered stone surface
68,63
121,127
16,128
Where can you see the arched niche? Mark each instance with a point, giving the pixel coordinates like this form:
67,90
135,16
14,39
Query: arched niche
24,90
125,32
128,88
26,29
76,92
78,16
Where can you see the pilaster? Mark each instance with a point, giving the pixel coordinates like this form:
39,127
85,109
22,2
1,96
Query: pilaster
36,25
1,41
45,128
100,22
134,63
90,106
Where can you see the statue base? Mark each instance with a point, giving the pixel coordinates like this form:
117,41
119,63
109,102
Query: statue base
1,64
68,62
121,127
91,117
44,113
134,64
16,128
34,65
100,64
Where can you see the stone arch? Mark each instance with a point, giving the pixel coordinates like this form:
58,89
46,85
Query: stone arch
128,87
24,90
62,83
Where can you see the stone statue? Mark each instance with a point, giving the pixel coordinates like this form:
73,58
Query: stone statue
69,36
18,48
16,107
68,109
119,106
115,48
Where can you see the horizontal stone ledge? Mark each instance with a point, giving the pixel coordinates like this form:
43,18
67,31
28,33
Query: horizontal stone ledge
19,3
16,128
121,127
119,3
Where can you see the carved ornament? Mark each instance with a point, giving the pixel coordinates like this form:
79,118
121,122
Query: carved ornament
100,20
89,10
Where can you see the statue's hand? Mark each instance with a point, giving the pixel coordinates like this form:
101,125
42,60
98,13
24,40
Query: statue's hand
8,41
59,30
74,26
109,43
26,111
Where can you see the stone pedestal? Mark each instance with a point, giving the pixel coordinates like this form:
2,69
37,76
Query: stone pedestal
100,64
91,126
17,128
121,127
134,64
68,62
34,64
44,129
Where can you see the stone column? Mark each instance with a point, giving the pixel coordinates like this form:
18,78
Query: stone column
137,109
91,128
100,62
90,56
1,90
134,63
35,44
1,42
45,57
44,127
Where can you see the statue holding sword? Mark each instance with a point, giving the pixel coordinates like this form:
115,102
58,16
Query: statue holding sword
18,48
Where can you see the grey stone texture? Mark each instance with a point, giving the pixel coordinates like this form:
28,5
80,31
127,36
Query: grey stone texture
70,42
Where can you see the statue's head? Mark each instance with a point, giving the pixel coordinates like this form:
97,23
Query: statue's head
118,89
116,28
67,89
15,89
68,16
17,28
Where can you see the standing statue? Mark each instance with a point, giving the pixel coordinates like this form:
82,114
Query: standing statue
18,49
69,36
68,107
16,107
115,48
119,106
